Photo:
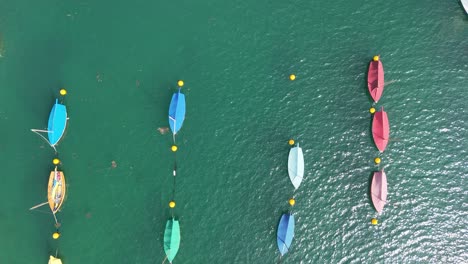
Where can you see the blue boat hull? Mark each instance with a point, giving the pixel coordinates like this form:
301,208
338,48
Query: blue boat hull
285,233
177,112
57,123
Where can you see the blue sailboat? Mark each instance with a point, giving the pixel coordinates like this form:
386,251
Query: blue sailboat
177,110
285,233
56,126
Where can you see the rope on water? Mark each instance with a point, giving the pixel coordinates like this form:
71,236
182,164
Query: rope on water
38,132
174,174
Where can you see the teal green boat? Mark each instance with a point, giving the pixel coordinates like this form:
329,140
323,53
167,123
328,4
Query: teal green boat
171,239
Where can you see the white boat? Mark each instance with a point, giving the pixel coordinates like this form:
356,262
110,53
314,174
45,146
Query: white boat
54,260
296,166
465,5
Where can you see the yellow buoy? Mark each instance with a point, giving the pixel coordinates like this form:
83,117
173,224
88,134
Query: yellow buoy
63,92
180,83
376,58
292,202
55,161
291,142
374,221
292,77
372,110
56,235
171,204
174,148
377,160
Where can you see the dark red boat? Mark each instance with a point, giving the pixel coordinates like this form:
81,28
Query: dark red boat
375,79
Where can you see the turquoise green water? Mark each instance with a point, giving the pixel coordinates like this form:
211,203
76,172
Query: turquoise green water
120,62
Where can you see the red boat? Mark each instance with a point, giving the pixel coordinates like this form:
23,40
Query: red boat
380,129
375,79
379,190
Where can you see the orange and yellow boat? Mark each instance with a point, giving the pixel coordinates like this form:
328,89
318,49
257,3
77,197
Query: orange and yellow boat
56,190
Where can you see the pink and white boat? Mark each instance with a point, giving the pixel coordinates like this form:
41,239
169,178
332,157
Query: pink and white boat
380,129
379,190
375,79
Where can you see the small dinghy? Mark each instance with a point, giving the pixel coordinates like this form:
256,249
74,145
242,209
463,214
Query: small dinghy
379,190
380,129
56,190
56,126
285,233
177,111
296,166
171,239
375,79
